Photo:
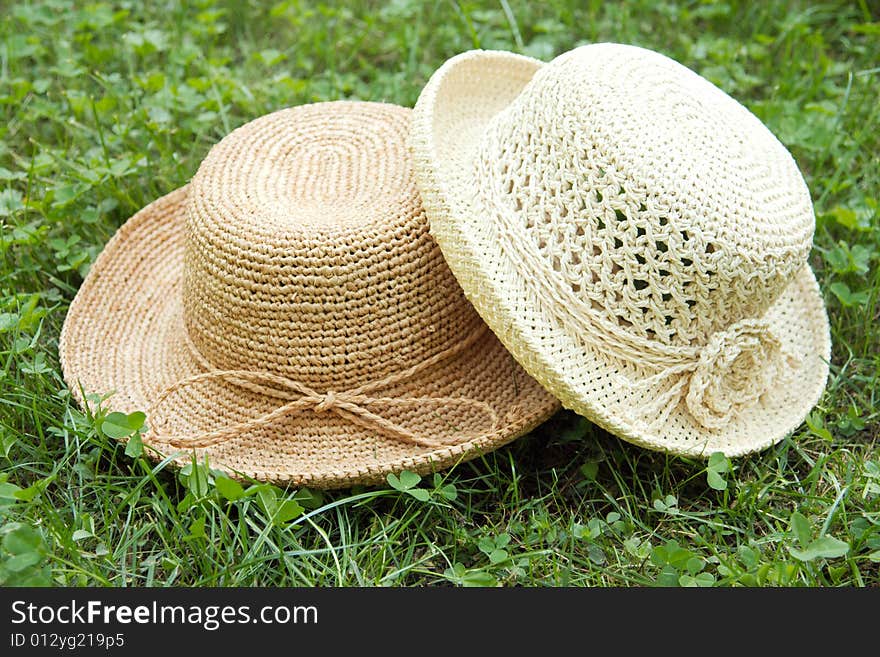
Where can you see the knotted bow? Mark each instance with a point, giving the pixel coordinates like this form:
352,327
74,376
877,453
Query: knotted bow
352,405
731,372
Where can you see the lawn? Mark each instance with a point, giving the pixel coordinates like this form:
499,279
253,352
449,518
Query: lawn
105,107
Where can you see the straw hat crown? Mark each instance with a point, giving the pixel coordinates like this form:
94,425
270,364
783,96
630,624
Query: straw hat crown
645,198
308,255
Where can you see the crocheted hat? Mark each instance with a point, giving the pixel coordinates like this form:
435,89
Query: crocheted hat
288,314
635,237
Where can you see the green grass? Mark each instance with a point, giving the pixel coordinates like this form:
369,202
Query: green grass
107,107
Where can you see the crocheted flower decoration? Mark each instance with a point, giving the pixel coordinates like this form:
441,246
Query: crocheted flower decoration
735,368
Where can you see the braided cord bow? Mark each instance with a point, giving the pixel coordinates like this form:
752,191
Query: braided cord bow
353,405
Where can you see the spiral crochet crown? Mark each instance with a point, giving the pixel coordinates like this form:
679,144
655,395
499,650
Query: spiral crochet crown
308,254
657,205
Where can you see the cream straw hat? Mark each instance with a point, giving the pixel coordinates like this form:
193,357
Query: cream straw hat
288,314
635,237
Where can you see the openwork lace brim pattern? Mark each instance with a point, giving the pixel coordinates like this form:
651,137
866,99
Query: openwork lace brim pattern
453,115
275,320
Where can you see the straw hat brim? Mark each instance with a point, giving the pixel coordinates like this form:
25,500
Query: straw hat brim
449,120
124,334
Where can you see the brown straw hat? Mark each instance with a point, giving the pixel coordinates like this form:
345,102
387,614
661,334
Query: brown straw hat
288,314
635,237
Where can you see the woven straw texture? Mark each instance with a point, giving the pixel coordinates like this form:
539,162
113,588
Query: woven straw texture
289,314
635,237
